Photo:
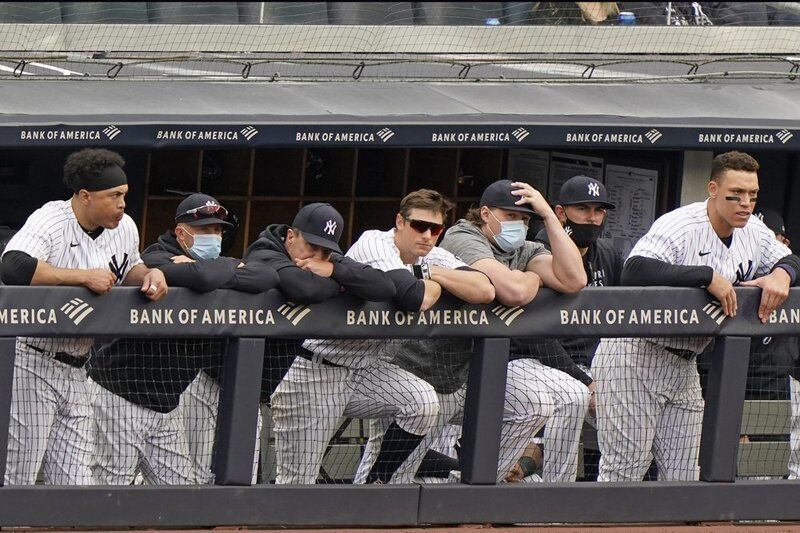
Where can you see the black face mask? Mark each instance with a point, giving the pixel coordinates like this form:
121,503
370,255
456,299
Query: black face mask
583,234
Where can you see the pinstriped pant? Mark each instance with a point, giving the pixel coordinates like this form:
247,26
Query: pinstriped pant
649,406
794,436
51,422
528,406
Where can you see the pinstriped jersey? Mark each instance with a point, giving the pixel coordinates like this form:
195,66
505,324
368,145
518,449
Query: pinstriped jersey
377,249
685,237
52,234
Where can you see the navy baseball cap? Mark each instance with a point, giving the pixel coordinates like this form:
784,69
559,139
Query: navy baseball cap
498,194
772,219
584,190
321,224
200,209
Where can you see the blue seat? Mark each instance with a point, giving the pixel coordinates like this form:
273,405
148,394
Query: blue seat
30,12
104,12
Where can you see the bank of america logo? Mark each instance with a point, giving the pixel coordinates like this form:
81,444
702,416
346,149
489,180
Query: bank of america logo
714,310
385,134
76,310
653,135
249,132
293,312
112,131
520,134
507,314
784,136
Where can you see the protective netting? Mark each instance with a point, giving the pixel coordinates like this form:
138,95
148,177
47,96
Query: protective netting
635,41
369,410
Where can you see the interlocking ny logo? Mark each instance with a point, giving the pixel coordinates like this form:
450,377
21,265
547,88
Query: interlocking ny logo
293,312
76,310
714,310
330,227
742,273
385,134
118,268
520,134
507,314
594,189
112,131
249,132
784,135
653,135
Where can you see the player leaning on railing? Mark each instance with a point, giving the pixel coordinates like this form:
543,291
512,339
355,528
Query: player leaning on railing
146,418
86,241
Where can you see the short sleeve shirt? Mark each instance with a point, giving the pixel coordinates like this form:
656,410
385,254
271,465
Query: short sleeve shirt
469,244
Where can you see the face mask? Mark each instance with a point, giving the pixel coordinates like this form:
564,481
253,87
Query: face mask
583,234
206,246
512,234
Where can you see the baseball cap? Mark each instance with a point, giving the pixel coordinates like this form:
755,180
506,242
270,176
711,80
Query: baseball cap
321,225
498,194
584,190
201,210
772,219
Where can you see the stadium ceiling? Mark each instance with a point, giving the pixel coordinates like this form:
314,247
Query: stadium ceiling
372,114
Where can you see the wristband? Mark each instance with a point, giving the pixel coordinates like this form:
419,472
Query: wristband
527,465
421,271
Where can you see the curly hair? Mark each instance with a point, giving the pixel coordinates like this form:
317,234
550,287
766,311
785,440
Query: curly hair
87,163
733,161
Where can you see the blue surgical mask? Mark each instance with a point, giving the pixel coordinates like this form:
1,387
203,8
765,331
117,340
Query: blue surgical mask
512,234
206,246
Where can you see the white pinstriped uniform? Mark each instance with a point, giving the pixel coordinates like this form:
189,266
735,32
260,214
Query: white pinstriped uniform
51,409
648,399
311,398
794,435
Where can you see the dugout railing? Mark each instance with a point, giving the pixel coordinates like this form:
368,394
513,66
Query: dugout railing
250,319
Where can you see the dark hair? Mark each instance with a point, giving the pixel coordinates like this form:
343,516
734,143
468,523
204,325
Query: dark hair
88,163
474,216
426,199
732,161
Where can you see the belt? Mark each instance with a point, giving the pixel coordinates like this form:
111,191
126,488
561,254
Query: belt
309,355
67,359
684,354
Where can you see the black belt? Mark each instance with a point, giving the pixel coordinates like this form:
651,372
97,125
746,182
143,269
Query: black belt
685,354
309,355
67,359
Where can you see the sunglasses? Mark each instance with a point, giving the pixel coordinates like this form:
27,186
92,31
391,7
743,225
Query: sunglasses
208,210
422,226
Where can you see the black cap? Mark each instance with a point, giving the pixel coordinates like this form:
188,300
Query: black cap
772,219
321,225
498,194
201,210
584,190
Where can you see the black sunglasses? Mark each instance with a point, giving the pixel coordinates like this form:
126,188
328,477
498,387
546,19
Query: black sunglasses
208,210
422,226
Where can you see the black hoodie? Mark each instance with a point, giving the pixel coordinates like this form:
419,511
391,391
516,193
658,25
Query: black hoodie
153,373
305,287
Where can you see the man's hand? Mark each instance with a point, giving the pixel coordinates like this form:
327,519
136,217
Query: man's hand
154,286
529,195
774,291
515,475
723,291
178,259
319,267
99,280
592,399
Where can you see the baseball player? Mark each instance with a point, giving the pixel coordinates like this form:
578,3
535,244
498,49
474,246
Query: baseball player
311,269
139,425
649,404
581,209
88,241
491,239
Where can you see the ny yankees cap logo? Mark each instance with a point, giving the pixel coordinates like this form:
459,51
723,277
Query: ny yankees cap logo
76,310
594,189
330,227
